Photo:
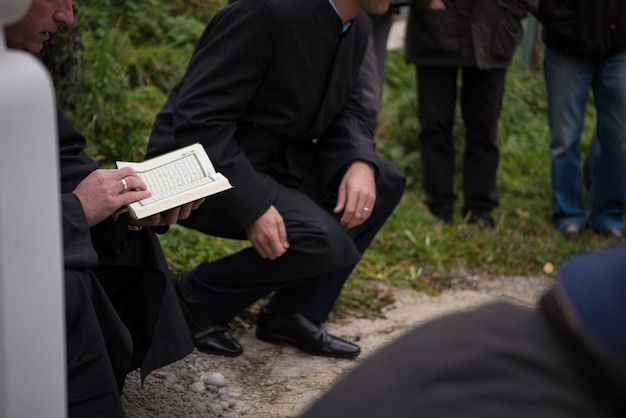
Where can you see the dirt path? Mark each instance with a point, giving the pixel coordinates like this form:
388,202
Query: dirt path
278,382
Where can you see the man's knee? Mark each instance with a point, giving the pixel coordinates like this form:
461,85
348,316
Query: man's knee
321,245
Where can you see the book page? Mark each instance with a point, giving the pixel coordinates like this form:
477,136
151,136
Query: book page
175,177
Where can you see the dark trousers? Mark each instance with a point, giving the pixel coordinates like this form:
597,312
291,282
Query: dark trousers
481,102
372,71
308,278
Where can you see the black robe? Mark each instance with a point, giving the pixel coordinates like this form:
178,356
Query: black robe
122,312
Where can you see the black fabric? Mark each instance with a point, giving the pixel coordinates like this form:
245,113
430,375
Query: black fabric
267,78
499,360
589,29
467,33
310,275
98,348
139,303
372,71
481,103
604,373
272,92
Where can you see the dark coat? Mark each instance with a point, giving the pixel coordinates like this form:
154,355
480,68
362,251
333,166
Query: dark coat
565,359
479,34
261,93
591,29
499,360
164,337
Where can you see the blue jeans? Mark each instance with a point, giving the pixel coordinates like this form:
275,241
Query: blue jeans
568,81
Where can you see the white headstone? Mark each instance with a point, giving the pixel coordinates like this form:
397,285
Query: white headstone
32,324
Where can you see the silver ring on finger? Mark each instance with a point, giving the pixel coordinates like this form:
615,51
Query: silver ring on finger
366,209
125,185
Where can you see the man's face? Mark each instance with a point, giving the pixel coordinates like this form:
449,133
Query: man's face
41,20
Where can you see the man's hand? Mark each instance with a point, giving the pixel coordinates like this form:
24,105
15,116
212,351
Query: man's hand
103,192
169,217
356,195
268,234
436,5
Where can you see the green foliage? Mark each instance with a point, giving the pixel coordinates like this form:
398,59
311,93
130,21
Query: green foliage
134,52
398,126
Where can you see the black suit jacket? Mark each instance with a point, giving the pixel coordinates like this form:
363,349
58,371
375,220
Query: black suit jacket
272,93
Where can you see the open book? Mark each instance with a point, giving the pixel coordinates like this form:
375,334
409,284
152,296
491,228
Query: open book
174,179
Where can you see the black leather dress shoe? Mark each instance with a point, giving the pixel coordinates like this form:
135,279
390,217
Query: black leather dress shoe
207,337
216,339
299,331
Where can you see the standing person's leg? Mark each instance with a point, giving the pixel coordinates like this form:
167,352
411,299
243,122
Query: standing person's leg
372,71
607,194
567,84
436,94
481,103
591,158
380,32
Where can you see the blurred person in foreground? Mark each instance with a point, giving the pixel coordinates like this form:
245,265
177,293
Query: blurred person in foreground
564,359
121,309
272,93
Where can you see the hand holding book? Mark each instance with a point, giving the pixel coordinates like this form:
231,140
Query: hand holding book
174,179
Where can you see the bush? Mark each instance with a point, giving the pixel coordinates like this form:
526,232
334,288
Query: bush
130,55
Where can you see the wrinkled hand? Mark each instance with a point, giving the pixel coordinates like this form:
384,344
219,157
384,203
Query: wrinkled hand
436,5
102,192
356,195
268,234
169,217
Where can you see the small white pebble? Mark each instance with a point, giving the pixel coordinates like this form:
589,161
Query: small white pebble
198,387
178,387
213,379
